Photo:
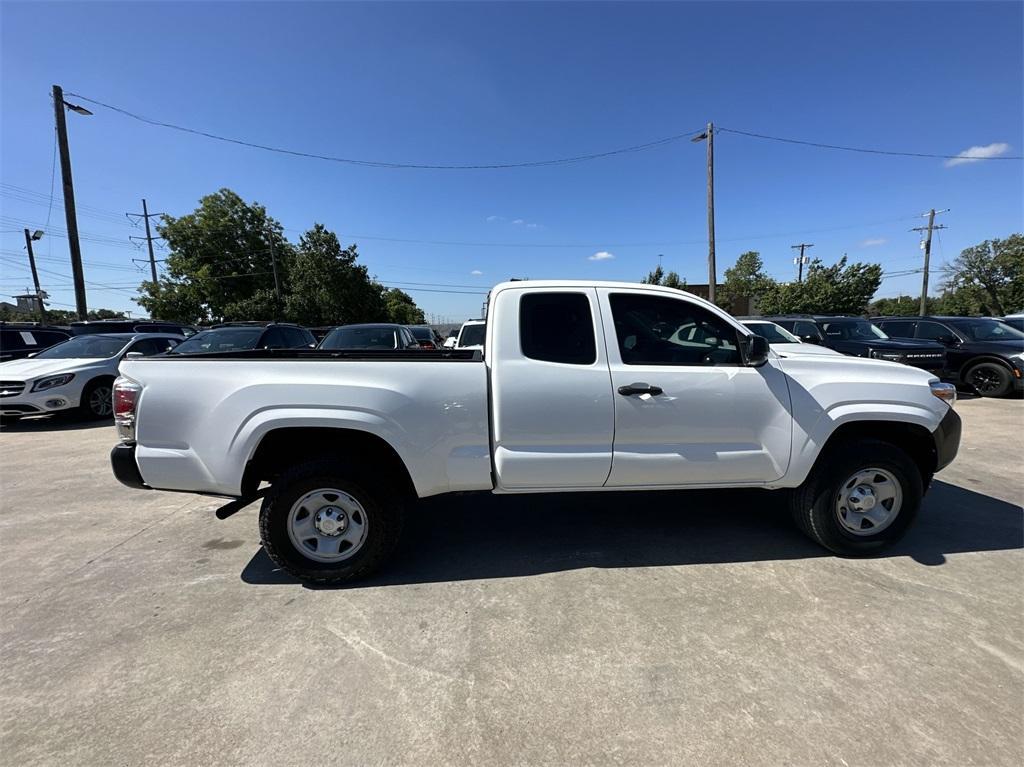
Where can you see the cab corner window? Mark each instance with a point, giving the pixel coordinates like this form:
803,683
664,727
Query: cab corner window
557,327
652,330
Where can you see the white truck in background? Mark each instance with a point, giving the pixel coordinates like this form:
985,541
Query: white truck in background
580,387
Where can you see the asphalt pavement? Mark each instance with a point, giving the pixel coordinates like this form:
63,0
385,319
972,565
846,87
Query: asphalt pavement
650,628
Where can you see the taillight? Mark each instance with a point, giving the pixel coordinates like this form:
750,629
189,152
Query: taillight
126,396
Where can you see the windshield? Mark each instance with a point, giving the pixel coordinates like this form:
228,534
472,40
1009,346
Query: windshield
987,330
85,347
220,340
373,337
422,334
472,335
852,330
772,333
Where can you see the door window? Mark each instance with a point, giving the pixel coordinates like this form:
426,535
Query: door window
933,331
897,328
652,330
274,339
557,327
150,346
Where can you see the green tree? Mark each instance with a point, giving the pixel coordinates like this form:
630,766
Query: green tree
401,308
669,280
839,289
328,287
988,278
744,279
220,264
890,307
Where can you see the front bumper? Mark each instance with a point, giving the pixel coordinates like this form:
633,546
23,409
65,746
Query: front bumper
947,439
33,403
122,461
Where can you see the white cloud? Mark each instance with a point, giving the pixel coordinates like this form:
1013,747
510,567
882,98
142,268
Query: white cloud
873,241
476,273
532,226
601,255
976,153
492,219
519,222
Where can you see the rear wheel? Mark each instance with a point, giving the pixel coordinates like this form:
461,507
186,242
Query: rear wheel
327,523
861,496
97,399
989,379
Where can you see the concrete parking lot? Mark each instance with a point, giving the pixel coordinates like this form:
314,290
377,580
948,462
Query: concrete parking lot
601,629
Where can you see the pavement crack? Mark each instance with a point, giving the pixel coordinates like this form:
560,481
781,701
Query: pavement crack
359,645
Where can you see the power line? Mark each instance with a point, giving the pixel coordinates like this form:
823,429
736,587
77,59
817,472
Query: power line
383,164
864,150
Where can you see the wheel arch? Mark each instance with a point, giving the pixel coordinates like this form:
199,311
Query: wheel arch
915,440
287,446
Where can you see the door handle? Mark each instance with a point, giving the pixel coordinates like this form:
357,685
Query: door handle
639,388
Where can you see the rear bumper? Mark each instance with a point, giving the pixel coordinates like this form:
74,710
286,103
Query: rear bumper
947,439
122,461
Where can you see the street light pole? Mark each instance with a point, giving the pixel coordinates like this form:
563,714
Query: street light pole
81,305
29,238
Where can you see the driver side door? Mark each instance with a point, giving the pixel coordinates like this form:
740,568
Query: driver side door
687,410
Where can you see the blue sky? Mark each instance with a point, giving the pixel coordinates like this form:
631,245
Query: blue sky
501,83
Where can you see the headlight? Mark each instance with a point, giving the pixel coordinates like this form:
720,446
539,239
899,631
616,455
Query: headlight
884,355
52,382
944,391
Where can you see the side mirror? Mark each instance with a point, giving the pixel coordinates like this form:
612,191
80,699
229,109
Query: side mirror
810,339
948,340
755,352
134,355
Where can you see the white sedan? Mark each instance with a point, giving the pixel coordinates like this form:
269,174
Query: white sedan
76,375
784,342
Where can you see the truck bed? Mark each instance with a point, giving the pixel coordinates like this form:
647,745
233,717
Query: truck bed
201,417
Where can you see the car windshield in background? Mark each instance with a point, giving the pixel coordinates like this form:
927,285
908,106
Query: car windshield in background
220,340
360,338
473,335
773,334
987,330
84,347
852,330
422,334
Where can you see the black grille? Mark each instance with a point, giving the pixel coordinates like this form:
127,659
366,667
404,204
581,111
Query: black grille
11,388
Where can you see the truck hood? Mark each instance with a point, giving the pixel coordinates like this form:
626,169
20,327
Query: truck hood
27,369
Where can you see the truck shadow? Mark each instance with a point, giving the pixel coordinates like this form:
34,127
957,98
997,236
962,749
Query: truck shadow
485,536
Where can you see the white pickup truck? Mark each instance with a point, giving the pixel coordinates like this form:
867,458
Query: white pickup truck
580,387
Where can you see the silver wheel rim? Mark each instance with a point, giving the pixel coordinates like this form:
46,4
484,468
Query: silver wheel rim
100,400
327,525
869,501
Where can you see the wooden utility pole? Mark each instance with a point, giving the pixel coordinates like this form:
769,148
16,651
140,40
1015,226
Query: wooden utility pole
145,216
68,188
35,276
709,136
712,271
273,264
927,256
800,259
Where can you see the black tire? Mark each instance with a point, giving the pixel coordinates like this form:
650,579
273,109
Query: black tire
989,379
90,406
814,504
384,512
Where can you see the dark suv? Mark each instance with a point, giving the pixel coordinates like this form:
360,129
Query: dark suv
858,337
981,352
85,327
242,336
20,339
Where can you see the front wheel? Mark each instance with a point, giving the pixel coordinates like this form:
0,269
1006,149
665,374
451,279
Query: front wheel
989,379
328,525
860,497
97,399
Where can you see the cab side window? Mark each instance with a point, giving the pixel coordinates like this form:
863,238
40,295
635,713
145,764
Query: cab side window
655,330
557,327
897,328
806,329
274,338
